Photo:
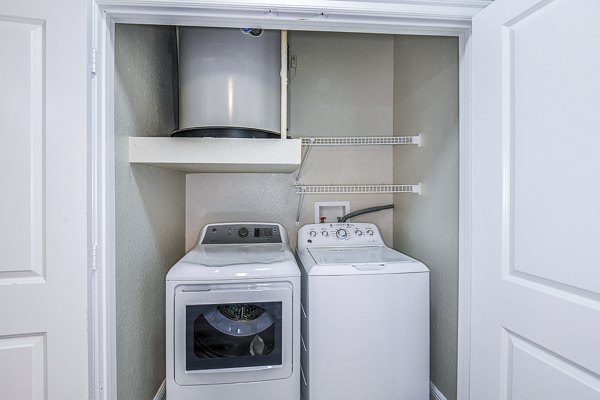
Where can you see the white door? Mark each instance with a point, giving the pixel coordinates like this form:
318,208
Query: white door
43,255
536,201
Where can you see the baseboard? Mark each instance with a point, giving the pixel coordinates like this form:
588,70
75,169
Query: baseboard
435,392
162,392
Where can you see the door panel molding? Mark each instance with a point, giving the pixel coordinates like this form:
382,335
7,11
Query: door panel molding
572,380
557,289
23,366
22,161
558,273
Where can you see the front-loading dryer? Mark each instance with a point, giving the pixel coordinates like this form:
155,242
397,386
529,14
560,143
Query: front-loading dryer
233,316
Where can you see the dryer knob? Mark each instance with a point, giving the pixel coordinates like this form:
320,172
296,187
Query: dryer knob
243,232
312,233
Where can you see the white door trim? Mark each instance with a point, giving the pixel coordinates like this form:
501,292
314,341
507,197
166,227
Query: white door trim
102,285
464,219
420,17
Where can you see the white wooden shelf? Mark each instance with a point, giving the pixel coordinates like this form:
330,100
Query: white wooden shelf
190,155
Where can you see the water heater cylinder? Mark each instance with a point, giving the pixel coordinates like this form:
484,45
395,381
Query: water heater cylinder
228,79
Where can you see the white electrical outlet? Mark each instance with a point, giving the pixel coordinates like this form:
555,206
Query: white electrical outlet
330,210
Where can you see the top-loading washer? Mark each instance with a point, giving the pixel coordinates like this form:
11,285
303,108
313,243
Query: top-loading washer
365,316
233,316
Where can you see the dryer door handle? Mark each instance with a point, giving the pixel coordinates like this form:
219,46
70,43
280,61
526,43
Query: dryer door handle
369,267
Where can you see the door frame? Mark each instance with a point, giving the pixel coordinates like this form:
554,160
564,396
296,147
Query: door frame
417,17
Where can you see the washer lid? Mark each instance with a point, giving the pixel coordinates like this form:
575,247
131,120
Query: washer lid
352,255
361,260
208,262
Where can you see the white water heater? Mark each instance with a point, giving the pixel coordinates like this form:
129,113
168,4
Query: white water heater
229,79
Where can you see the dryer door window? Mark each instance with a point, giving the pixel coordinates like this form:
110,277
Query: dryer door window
229,333
233,335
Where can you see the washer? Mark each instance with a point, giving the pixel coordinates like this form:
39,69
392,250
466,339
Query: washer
365,316
233,316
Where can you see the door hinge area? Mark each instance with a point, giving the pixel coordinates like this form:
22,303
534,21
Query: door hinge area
93,61
94,257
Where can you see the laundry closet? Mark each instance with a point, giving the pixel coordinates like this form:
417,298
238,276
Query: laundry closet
340,85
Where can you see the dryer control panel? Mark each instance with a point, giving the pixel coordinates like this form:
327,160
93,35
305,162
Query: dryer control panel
339,235
238,233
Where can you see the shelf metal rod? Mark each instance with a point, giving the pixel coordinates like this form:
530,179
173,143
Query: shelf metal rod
304,158
299,211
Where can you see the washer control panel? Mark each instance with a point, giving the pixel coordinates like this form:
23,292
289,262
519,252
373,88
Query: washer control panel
339,234
237,233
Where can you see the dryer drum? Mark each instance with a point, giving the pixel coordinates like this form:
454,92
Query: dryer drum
241,312
210,342
240,319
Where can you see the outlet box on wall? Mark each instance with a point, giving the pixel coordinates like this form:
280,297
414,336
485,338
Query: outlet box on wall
330,210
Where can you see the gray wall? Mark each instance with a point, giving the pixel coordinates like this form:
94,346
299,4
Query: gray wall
342,87
426,227
149,206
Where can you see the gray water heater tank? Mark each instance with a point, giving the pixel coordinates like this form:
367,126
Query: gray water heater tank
229,79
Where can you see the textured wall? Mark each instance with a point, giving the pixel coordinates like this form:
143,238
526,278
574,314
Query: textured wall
426,227
150,206
341,87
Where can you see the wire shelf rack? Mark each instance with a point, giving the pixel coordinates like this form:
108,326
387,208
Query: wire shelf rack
309,142
361,141
356,189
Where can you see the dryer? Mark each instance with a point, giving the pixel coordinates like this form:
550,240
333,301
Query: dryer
233,316
365,316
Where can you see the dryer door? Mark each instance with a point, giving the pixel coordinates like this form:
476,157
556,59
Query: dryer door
228,333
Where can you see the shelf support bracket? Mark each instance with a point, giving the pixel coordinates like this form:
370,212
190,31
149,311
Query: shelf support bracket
300,201
304,158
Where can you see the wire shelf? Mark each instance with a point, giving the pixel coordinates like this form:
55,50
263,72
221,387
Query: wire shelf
361,141
356,189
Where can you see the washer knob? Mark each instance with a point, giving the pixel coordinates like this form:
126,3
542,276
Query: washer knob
324,233
369,232
243,232
358,233
341,233
312,233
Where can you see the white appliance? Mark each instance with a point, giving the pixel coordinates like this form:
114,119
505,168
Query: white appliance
228,79
233,316
365,316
